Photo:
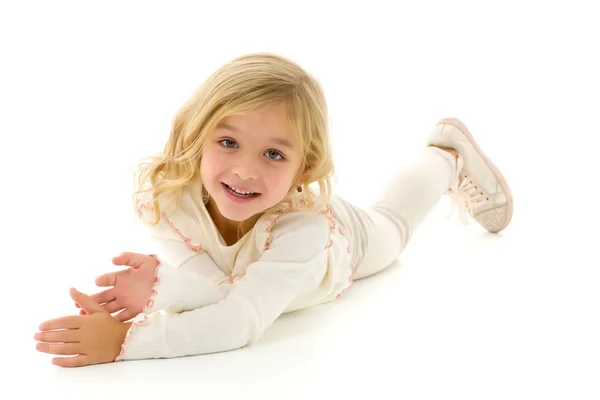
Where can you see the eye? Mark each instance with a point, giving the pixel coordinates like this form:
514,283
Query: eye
230,144
274,155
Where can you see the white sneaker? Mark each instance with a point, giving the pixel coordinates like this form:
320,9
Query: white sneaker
480,190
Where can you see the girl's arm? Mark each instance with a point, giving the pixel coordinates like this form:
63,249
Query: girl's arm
195,283
185,280
270,285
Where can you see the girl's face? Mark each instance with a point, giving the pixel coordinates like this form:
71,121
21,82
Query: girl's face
250,162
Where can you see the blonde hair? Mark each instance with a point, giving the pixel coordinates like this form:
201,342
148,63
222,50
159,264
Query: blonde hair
246,83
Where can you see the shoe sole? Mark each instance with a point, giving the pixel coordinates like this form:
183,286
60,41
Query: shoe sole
503,183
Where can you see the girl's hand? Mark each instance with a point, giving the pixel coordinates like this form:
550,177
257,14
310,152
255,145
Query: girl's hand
131,288
94,338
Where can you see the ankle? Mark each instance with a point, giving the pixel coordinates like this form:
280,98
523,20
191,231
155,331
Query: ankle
456,166
450,150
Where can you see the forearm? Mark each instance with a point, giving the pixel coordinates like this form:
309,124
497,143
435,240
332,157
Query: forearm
186,281
250,307
179,289
215,328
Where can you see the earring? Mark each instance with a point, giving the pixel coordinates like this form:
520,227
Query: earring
299,188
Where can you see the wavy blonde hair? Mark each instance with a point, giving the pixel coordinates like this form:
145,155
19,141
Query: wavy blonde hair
245,83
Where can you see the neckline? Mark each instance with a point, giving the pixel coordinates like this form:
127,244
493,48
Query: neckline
218,234
221,240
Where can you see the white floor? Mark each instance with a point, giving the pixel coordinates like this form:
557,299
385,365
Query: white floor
463,315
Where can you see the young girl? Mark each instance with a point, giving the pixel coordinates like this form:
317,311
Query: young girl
240,204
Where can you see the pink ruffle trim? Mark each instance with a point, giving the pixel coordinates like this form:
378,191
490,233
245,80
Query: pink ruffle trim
333,224
186,240
142,317
278,214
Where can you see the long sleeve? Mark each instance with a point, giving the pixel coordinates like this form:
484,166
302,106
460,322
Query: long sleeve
298,249
187,277
190,286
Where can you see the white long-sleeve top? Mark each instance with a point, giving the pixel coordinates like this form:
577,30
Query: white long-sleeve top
211,297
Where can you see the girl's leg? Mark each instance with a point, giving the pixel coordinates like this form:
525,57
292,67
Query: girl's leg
410,195
474,183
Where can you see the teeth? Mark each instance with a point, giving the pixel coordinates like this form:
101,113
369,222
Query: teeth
239,191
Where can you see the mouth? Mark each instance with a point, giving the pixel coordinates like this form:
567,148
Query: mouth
242,194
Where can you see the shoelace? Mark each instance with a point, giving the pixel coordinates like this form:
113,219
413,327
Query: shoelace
466,198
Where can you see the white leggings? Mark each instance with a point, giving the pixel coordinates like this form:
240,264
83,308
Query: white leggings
384,229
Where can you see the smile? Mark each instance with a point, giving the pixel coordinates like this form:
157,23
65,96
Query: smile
239,195
239,191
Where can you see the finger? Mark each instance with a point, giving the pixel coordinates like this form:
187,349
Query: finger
67,349
134,260
104,297
87,304
77,361
101,298
113,307
69,322
124,315
108,279
62,336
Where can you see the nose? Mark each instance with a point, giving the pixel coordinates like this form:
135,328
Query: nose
246,168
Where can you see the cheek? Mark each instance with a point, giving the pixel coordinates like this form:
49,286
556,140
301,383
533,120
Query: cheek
280,178
211,164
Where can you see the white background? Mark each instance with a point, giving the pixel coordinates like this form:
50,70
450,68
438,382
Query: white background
88,88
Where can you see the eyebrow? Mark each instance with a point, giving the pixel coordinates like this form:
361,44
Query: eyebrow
228,127
279,141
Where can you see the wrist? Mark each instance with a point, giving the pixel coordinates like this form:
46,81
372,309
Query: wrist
125,326
121,335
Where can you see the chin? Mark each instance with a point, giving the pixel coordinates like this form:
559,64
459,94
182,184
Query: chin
236,217
236,213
